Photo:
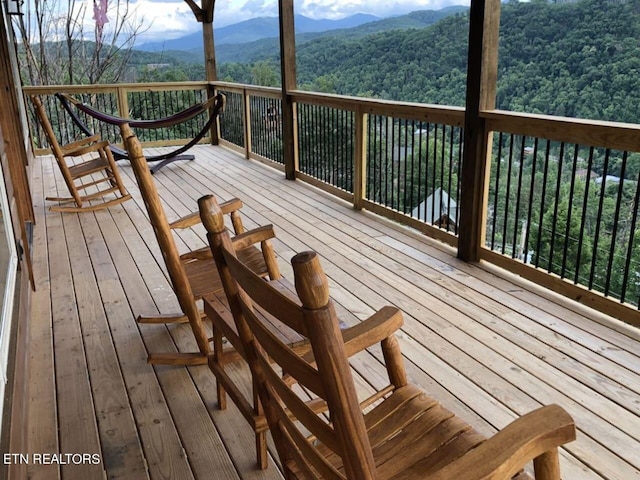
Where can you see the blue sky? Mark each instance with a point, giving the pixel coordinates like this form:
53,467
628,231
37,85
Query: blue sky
173,18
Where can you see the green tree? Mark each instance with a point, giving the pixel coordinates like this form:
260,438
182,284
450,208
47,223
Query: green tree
264,73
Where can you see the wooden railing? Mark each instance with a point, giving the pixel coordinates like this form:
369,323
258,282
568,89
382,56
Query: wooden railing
561,195
140,101
563,207
403,161
365,151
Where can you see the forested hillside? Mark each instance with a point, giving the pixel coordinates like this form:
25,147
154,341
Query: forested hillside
576,59
265,48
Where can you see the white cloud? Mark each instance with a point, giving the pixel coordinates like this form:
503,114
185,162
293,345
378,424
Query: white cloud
227,13
165,19
170,19
336,9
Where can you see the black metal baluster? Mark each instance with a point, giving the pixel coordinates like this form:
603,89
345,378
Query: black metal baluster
442,156
531,192
449,183
516,223
567,234
585,205
434,174
627,269
506,198
420,193
542,200
616,218
386,161
599,218
426,171
459,169
406,151
496,192
555,207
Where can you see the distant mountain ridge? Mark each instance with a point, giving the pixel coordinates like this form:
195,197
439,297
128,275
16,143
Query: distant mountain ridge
256,29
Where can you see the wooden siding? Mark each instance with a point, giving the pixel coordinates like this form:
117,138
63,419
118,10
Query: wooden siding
486,344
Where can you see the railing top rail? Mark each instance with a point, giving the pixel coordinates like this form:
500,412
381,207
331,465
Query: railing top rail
597,133
447,115
159,86
272,92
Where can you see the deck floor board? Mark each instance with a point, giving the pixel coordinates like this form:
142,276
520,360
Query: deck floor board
490,347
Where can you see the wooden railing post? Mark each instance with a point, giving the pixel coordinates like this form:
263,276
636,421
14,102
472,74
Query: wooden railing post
288,73
482,67
360,159
123,102
246,113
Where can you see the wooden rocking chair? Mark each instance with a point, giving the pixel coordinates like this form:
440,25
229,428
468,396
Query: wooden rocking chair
193,275
80,176
407,435
221,313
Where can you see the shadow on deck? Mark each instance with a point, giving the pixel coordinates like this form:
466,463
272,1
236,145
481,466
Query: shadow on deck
487,345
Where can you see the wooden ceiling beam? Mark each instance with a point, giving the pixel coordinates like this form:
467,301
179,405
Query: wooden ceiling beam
197,11
207,8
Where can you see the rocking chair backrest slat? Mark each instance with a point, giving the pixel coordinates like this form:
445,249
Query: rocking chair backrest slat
275,302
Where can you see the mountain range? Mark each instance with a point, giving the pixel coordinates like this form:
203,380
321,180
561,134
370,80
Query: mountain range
255,29
257,38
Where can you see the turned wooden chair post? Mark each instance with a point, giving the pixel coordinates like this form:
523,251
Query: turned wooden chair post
165,239
547,466
322,328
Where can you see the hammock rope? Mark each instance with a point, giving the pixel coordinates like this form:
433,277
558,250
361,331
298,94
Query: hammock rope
218,102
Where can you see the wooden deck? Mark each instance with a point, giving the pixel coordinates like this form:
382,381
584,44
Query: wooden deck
489,346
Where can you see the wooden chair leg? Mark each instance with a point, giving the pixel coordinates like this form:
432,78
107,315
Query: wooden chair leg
218,355
261,450
547,466
261,437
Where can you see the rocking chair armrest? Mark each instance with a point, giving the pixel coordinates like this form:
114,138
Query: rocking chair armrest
251,237
80,143
232,205
192,219
530,437
185,222
203,253
375,329
379,326
84,149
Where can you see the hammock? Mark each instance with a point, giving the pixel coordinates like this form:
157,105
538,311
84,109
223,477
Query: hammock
217,102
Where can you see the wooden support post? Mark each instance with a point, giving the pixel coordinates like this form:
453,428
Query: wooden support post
246,111
289,82
14,126
205,16
209,51
360,160
482,68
